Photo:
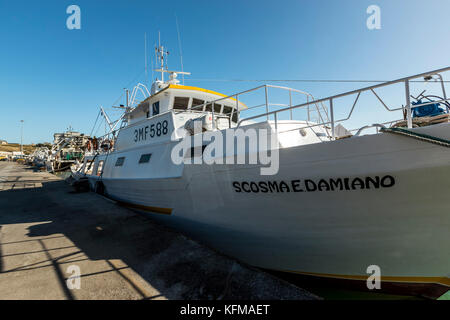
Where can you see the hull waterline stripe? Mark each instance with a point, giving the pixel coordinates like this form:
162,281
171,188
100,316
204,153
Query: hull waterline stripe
437,280
167,211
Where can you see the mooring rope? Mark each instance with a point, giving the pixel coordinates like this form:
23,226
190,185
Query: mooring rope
418,136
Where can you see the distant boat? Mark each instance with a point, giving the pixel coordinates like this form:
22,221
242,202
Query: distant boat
339,203
67,149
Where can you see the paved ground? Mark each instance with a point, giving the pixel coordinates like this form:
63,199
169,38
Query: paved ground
46,230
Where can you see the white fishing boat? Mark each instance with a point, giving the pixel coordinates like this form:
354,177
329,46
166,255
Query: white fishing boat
330,202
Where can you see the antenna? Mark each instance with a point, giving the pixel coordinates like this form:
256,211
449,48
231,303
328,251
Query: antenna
156,61
162,55
179,46
152,67
145,50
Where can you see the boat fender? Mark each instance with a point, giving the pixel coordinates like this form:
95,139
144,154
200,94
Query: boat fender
106,145
88,145
95,143
99,188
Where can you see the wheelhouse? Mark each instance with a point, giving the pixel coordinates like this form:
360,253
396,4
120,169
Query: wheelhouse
180,98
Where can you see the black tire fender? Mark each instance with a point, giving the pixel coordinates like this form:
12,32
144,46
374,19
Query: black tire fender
99,188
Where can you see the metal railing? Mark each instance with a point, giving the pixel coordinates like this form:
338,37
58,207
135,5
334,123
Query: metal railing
143,89
318,106
332,121
325,115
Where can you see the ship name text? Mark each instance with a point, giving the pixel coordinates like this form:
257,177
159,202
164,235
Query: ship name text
309,185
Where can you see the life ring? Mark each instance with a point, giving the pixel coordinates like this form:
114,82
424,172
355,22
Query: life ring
107,145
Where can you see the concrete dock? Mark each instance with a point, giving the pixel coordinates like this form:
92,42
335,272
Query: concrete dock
48,233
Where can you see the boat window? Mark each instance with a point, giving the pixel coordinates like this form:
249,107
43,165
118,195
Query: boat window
145,158
226,110
155,108
208,107
100,167
197,102
119,161
235,117
180,103
217,107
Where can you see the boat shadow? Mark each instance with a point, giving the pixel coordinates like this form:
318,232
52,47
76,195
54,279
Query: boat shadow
99,229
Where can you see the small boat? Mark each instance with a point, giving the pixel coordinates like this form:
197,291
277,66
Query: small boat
311,198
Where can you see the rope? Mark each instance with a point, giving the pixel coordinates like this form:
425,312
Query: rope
418,136
134,80
98,115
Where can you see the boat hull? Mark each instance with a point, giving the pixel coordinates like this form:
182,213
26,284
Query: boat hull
332,210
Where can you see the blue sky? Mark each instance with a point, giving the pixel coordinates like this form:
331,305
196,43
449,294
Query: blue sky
53,77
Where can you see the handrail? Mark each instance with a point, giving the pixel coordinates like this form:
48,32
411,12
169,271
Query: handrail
267,104
137,87
250,90
325,117
348,117
359,91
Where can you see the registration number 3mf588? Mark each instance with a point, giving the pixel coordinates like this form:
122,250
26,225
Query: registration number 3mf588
150,131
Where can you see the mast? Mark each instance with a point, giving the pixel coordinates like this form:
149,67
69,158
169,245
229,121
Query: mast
161,56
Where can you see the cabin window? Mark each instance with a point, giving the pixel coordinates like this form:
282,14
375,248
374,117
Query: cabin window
208,107
100,167
217,108
180,103
196,103
145,158
119,161
155,108
235,116
227,110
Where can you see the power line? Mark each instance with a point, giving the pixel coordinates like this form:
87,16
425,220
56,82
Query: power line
134,80
302,80
98,115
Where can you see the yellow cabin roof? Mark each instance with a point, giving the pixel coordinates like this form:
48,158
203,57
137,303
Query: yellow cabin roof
182,87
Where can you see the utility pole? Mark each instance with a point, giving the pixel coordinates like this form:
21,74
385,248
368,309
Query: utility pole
21,137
